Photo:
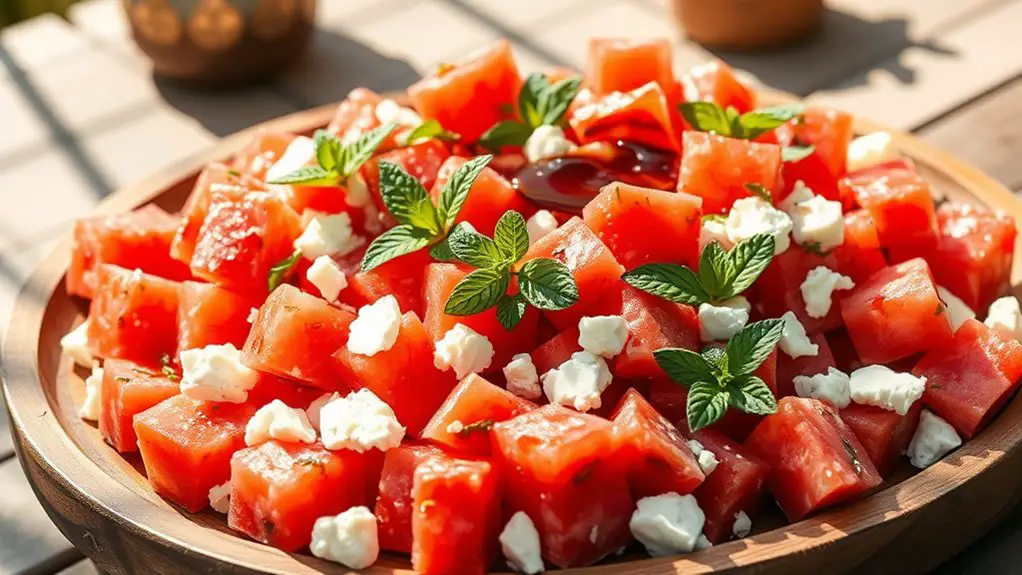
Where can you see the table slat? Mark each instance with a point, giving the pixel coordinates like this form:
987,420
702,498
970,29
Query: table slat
28,540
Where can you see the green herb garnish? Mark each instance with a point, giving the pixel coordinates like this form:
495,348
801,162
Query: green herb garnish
540,103
336,161
709,117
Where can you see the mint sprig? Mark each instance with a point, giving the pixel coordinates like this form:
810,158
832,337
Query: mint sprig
337,161
421,223
709,117
280,270
718,379
540,103
760,191
722,274
428,130
544,283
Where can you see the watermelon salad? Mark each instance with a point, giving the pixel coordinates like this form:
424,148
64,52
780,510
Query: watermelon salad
544,320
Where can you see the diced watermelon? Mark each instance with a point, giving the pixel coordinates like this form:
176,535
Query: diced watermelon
404,376
656,456
829,132
133,316
815,460
901,206
262,152
394,503
969,380
356,114
422,161
808,365
475,402
717,169
653,323
325,199
736,484
560,468
486,82
278,490
129,388
293,393
843,350
642,116
669,399
643,225
555,351
186,446
860,255
455,516
621,65
209,314
884,434
294,336
139,239
489,197
896,313
716,82
213,178
595,269
401,277
779,289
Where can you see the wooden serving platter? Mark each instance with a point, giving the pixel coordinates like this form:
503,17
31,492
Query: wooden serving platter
102,503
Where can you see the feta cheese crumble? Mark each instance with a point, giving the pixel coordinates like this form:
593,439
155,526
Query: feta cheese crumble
751,216
388,111
215,373
880,386
521,546
547,142
253,315
521,376
220,497
326,275
464,350
707,459
799,193
540,225
316,407
794,340
958,312
713,230
818,222
276,420
76,345
603,335
667,524
720,322
833,386
360,422
1005,316
742,525
578,382
328,235
376,328
455,427
92,407
934,438
702,543
297,155
871,150
357,196
818,289
350,538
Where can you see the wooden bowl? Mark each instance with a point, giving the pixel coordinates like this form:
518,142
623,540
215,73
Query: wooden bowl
747,24
103,504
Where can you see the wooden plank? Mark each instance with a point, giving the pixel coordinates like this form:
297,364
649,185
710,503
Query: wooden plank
30,542
987,133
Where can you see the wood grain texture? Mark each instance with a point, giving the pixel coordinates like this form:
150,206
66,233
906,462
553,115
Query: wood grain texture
103,505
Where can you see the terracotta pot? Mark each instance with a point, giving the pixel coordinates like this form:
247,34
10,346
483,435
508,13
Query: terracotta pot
221,42
747,24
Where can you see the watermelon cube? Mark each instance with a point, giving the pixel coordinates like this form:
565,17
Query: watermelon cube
789,368
128,389
619,65
473,407
860,255
901,205
642,116
394,503
490,196
133,316
265,148
208,314
735,485
214,177
884,434
717,169
556,350
717,82
653,323
401,277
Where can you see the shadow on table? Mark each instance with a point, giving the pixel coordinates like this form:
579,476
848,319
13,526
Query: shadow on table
845,44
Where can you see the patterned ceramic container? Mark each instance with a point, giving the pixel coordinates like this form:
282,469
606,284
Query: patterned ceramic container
221,42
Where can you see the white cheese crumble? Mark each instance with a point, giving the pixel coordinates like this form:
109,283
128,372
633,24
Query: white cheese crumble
818,289
360,422
253,315
357,196
603,335
329,235
713,230
880,386
455,427
220,498
376,328
934,438
794,340
702,543
297,155
92,407
818,222
833,386
388,111
521,376
317,406
752,216
720,322
326,275
1005,316
521,546
541,224
464,350
958,312
742,525
76,345
547,142
799,193
871,150
276,420
707,459
215,373
350,538
578,382
667,524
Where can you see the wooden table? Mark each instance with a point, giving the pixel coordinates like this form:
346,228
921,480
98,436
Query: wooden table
81,115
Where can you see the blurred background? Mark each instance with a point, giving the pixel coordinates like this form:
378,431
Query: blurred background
97,94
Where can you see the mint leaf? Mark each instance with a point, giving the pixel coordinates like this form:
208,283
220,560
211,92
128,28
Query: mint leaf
308,176
511,235
478,291
528,99
358,152
707,403
554,101
456,191
734,120
504,134
429,130
281,269
684,366
394,243
750,347
706,117
751,394
328,149
796,153
749,258
441,251
475,249
511,310
760,191
547,284
716,358
406,199
715,271
672,282
763,120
